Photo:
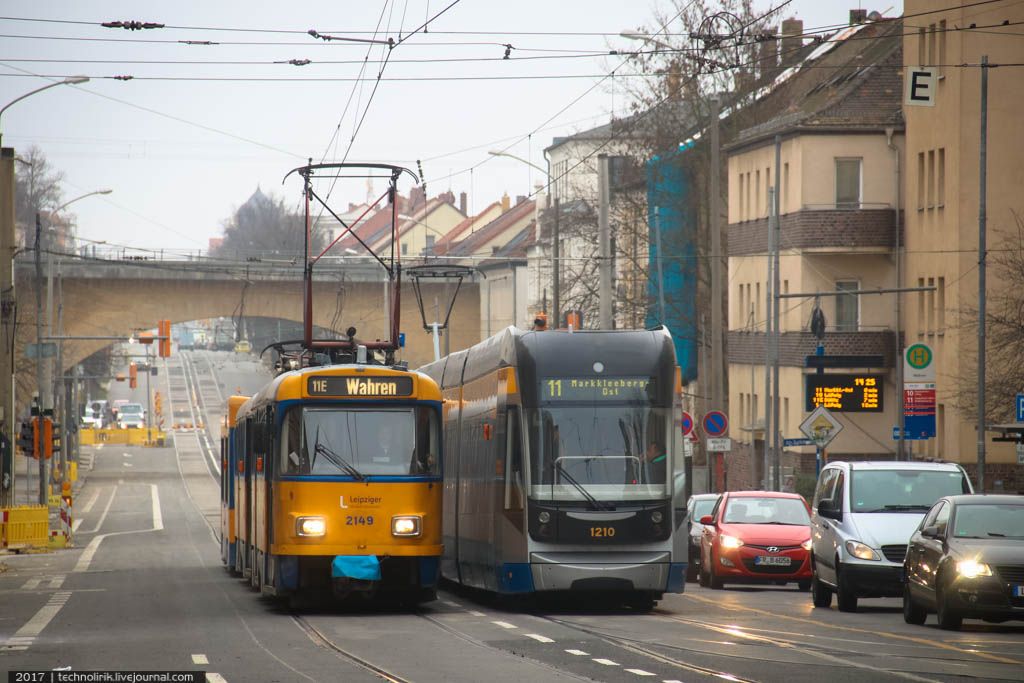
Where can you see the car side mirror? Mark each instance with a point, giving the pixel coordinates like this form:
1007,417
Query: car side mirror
930,532
827,508
707,519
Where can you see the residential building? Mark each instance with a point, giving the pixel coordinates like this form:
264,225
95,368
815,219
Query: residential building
837,117
942,191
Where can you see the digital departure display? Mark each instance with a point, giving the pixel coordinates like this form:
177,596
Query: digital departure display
381,387
844,393
596,388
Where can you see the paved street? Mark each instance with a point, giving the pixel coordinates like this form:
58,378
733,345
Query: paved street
144,589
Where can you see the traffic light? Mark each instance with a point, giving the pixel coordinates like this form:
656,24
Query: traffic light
56,438
26,436
133,375
45,433
165,344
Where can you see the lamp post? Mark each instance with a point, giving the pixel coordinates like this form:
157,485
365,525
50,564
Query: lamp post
70,80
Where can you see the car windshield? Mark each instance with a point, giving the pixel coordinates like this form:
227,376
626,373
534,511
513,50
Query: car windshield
703,507
130,409
335,441
615,451
766,510
990,521
903,490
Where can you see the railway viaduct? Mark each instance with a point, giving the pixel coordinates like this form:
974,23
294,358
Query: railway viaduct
99,297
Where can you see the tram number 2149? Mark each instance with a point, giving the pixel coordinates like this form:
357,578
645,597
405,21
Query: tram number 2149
602,531
358,520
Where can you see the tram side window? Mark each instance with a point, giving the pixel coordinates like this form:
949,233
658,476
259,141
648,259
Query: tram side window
293,458
513,461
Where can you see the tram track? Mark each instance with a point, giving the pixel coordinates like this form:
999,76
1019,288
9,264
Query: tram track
318,637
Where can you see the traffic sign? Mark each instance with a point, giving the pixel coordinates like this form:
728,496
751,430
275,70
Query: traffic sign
1020,408
821,427
920,86
918,365
909,435
49,350
715,423
789,443
687,423
720,445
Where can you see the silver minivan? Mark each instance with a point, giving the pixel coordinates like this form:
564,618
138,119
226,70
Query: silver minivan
862,518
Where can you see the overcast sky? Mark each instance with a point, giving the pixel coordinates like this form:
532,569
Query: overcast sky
180,155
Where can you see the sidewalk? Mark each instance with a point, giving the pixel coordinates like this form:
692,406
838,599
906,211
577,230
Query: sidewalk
26,486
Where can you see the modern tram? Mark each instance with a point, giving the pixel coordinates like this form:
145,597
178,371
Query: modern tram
332,478
563,464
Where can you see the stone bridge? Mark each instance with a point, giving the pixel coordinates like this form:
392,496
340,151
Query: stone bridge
119,297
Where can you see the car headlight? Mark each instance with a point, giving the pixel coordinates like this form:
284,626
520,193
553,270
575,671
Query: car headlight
972,569
807,545
310,526
656,516
861,551
408,525
730,541
544,517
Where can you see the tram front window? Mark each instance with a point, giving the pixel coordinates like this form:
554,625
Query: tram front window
615,452
330,441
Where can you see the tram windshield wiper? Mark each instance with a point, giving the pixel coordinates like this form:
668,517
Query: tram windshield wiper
595,504
336,460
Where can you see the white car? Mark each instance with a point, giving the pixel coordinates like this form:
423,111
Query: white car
700,504
131,415
94,414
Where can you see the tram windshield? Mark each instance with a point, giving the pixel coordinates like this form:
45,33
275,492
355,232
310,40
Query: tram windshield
339,441
613,451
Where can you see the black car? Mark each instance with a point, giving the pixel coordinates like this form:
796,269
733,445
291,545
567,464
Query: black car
966,560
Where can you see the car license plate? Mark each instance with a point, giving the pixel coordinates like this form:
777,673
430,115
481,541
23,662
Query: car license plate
1018,591
773,561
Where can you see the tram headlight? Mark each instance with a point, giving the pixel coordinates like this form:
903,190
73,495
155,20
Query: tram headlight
407,525
544,517
310,526
656,517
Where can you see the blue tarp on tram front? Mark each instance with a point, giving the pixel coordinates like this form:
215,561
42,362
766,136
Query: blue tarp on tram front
669,198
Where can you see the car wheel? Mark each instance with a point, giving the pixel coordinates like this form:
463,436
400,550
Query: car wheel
714,580
913,613
702,578
821,595
803,586
949,619
846,599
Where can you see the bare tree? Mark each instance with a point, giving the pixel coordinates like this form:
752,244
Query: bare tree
264,225
38,191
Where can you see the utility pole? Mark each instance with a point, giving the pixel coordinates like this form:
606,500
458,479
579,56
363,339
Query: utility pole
715,201
982,219
776,290
769,320
556,269
40,383
658,255
604,238
8,418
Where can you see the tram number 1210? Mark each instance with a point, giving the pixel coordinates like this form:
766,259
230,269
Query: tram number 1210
602,531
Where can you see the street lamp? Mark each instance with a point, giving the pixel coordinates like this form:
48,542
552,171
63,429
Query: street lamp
630,34
494,153
72,201
70,80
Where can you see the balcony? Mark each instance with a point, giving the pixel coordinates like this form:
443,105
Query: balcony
749,347
820,226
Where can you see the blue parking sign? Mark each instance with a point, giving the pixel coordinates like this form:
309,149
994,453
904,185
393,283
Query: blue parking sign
1020,408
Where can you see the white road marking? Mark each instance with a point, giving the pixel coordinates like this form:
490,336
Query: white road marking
127,455
477,614
103,516
128,464
26,635
92,501
75,524
539,638
200,659
90,550
99,447
450,603
504,624
578,653
57,581
32,583
120,481
639,672
606,662
671,680
215,678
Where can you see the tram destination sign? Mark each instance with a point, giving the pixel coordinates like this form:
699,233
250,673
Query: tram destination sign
850,393
359,386
596,388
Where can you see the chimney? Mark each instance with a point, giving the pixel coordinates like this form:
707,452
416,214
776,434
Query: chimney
506,203
520,199
463,203
858,16
769,57
792,40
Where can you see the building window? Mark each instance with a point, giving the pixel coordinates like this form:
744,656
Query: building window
930,179
922,59
920,181
430,244
848,183
940,304
785,188
785,415
940,429
757,304
405,248
847,306
932,51
940,178
920,306
757,190
767,191
739,187
942,49
930,307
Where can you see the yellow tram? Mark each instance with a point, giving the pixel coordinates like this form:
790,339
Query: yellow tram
332,474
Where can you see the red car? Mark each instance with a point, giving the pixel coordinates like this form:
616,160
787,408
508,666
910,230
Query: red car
757,537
